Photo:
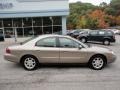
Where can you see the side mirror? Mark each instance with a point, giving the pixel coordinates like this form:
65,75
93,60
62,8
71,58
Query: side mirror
80,47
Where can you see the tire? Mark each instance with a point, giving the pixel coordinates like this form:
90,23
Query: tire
30,62
106,42
97,62
84,40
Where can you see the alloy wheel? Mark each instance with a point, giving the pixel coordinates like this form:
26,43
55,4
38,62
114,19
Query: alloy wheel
98,63
30,63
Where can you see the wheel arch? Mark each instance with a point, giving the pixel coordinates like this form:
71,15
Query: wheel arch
26,55
102,55
107,38
83,37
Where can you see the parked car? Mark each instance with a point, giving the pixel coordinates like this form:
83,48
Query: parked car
58,49
1,37
74,33
104,36
84,32
8,36
115,31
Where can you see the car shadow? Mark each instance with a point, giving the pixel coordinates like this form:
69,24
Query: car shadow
59,66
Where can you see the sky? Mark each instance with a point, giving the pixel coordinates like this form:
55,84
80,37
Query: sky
94,2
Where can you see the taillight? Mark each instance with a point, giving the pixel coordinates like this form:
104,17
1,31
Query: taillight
8,50
114,36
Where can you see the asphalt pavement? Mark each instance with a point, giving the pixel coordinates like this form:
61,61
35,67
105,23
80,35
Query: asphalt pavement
14,77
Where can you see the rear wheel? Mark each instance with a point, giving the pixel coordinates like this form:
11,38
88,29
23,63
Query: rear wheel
30,63
97,62
106,42
84,40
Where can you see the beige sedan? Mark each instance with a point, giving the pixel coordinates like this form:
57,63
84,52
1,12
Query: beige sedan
58,49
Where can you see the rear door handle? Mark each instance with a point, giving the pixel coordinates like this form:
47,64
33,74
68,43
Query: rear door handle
65,51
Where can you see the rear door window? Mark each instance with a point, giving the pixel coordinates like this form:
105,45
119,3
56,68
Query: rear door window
47,42
93,33
101,33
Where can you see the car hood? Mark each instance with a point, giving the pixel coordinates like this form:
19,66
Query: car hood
98,49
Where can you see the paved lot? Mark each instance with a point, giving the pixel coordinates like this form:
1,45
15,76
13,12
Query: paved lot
14,77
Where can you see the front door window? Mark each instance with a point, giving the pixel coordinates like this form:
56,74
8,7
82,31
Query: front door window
68,43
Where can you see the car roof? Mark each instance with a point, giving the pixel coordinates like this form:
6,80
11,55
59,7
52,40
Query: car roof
51,35
44,36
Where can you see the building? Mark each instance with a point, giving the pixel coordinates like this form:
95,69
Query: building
33,17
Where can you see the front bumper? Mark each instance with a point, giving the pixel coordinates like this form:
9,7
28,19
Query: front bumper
111,58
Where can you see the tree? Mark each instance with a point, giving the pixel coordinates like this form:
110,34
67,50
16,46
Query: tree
114,8
118,20
111,20
99,15
86,15
103,4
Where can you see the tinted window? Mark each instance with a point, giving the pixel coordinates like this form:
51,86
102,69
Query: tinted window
93,32
57,20
84,32
76,32
37,21
7,22
28,40
68,43
109,33
47,21
27,22
47,42
0,23
101,32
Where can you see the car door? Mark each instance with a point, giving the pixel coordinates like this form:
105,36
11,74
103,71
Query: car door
93,36
101,35
47,50
69,51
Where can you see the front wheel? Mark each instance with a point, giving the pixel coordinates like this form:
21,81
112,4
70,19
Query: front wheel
106,42
97,62
30,63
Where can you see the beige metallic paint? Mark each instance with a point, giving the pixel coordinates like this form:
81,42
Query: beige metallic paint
57,55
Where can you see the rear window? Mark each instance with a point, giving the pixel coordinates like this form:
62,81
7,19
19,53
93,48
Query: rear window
28,40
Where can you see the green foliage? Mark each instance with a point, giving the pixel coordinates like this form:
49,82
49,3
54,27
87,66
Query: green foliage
80,15
115,4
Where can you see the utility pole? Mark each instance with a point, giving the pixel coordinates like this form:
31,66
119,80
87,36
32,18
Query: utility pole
15,35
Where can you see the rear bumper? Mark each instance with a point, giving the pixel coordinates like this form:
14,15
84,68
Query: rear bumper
11,58
113,40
